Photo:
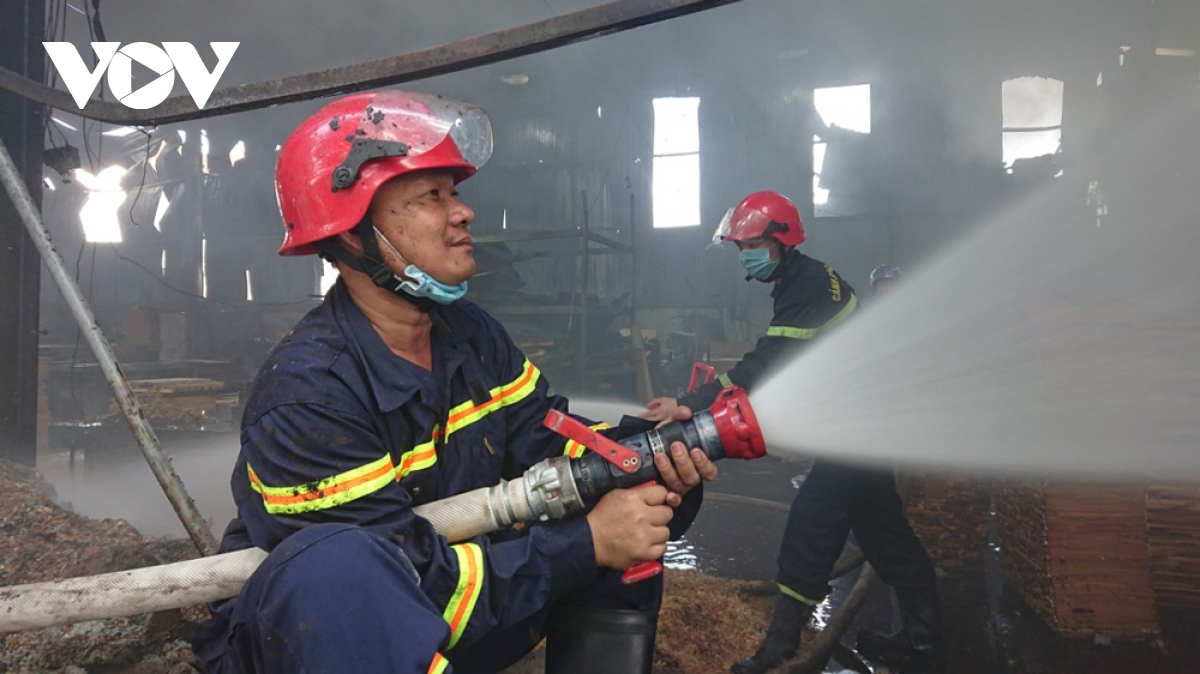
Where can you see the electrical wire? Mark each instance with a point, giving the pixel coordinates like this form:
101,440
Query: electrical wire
210,299
158,277
142,184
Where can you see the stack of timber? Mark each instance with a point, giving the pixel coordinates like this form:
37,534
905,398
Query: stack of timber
1172,346
1173,535
1024,556
180,402
949,513
1077,554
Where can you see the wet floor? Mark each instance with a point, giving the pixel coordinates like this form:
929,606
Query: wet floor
736,535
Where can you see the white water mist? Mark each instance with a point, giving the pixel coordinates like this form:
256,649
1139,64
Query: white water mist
1043,341
608,411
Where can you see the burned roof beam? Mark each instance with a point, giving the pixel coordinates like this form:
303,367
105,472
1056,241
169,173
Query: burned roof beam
494,47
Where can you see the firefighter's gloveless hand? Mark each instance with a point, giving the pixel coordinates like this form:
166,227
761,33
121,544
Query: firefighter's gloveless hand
630,525
661,410
685,468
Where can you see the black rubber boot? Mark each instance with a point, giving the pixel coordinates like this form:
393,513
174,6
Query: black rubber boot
783,637
917,648
600,641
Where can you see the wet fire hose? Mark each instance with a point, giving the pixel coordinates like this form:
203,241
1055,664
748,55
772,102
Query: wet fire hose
551,489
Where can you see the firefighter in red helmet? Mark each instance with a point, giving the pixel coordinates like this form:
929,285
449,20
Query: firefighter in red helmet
396,392
810,299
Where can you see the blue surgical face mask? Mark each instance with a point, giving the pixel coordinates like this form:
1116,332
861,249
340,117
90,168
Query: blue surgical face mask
757,262
421,284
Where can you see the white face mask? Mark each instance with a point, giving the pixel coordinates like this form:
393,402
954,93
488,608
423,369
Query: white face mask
421,284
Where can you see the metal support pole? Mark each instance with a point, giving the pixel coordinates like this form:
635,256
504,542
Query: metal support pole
22,30
633,286
142,432
584,272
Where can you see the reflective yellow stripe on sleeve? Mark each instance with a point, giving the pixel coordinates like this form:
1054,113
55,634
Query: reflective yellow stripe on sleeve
344,487
470,584
725,380
420,457
356,483
438,665
330,492
574,449
809,333
502,396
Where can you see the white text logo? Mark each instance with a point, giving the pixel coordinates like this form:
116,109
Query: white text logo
172,57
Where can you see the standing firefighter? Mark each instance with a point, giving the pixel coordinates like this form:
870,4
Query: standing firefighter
835,499
396,392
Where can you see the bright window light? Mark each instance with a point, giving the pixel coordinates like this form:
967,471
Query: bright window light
204,147
159,211
99,211
820,194
329,276
1026,144
237,153
677,191
847,107
676,125
1032,113
120,132
204,268
676,168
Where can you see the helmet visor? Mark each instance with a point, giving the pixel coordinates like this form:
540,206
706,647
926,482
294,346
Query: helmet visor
422,121
722,232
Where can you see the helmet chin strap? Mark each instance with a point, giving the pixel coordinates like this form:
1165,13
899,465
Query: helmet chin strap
785,255
380,237
371,263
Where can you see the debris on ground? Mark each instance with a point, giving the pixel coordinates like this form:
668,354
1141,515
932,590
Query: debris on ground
44,542
709,623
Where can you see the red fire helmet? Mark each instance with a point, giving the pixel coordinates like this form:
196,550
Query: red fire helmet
762,214
330,167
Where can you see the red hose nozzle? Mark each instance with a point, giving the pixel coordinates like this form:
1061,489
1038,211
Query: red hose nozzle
737,426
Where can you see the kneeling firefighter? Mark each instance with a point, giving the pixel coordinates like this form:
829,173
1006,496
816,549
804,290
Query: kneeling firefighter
396,392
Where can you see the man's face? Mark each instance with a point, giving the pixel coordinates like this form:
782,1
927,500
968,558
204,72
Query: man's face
421,216
760,242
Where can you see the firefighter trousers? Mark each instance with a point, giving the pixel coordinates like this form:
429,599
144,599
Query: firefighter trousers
834,500
338,599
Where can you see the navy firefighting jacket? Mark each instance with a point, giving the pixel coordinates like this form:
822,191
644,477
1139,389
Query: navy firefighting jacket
810,298
339,429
